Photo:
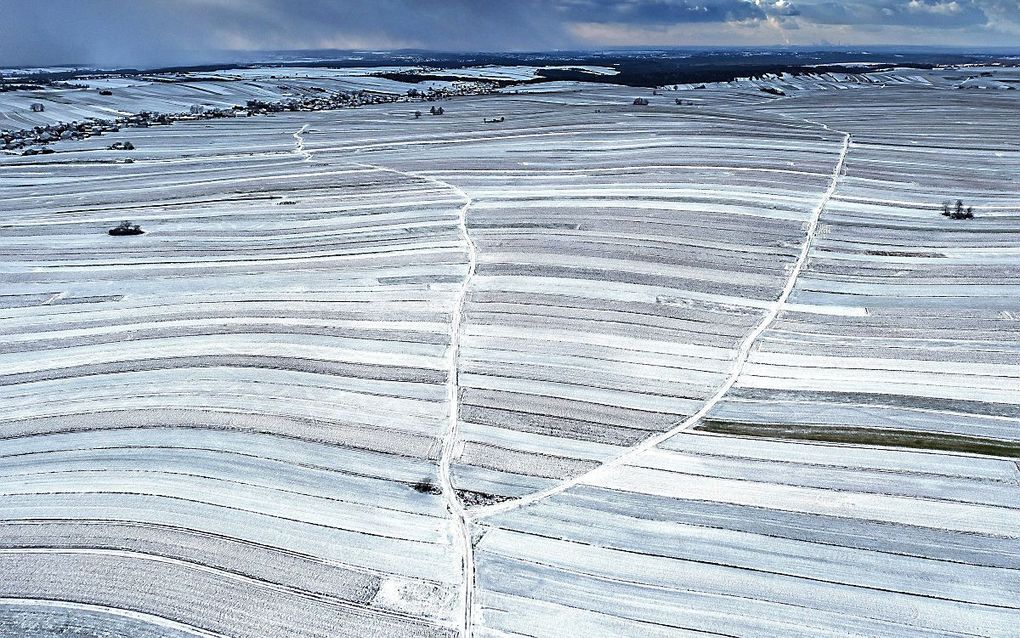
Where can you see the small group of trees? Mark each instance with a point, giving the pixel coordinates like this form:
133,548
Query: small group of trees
957,211
126,228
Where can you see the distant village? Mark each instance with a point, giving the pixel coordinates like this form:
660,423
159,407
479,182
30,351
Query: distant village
43,135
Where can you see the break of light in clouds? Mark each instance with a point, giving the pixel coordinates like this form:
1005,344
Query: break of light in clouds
149,32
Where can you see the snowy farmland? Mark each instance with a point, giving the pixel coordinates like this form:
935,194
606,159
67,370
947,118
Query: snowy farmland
178,92
592,369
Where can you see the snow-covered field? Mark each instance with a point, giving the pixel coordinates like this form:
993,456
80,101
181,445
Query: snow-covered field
719,369
177,93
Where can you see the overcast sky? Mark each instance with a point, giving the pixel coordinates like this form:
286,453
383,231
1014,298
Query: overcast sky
147,32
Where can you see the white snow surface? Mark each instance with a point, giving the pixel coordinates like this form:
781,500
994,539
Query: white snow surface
596,369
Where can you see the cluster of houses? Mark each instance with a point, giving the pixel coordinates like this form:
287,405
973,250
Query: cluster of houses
40,135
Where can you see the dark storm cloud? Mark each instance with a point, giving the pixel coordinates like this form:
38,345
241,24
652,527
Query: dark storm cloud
451,24
152,32
917,13
155,31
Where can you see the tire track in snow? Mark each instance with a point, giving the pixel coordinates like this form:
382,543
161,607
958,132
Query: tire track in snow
449,440
742,354
299,143
464,518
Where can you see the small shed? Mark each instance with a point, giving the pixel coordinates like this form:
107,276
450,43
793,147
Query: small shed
640,101
38,107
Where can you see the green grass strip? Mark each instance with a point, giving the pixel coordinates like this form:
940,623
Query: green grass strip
868,436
